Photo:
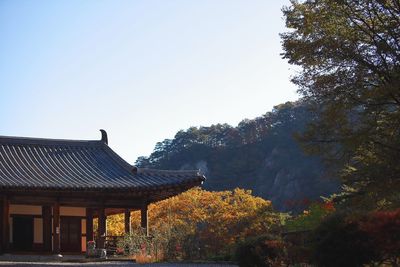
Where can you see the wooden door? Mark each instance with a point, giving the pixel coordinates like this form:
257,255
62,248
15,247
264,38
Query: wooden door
70,234
22,233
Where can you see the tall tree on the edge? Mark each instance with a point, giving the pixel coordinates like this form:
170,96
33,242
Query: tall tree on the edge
349,52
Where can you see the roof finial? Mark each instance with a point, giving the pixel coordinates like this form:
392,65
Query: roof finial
104,136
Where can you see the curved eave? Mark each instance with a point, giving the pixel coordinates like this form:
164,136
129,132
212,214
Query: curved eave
104,189
66,166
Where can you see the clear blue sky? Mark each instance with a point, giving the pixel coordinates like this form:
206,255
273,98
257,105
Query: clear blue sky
142,70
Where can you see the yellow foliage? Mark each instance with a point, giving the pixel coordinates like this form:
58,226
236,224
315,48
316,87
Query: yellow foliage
215,220
115,225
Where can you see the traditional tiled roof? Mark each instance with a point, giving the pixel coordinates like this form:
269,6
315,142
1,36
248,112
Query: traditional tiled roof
37,163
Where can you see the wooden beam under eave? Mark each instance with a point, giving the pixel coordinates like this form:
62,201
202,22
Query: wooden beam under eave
77,202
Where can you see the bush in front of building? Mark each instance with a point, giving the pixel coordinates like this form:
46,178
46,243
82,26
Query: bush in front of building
262,251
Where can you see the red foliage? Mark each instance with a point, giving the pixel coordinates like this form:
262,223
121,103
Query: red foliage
383,227
329,206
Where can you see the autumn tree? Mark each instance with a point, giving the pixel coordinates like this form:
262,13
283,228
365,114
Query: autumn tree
349,54
357,239
339,241
383,228
311,218
202,224
217,220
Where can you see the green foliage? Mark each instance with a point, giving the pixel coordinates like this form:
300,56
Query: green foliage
137,243
311,218
251,155
262,251
134,243
349,52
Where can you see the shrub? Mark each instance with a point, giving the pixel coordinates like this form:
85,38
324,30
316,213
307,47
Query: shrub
383,227
141,247
340,242
263,251
297,246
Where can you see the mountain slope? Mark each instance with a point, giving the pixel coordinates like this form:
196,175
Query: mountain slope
260,154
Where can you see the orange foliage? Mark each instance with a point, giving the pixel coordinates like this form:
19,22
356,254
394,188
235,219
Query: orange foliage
212,221
143,258
329,206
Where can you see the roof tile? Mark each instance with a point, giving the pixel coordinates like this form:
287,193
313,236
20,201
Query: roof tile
70,164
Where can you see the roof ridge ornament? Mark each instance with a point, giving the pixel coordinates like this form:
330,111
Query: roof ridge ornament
104,137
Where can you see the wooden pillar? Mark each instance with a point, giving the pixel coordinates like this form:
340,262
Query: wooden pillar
89,224
144,223
5,228
46,215
101,229
1,227
127,221
56,228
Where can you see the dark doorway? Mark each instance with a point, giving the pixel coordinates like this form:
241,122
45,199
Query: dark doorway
22,233
70,234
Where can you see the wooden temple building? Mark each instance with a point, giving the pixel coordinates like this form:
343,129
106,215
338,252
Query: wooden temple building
51,190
